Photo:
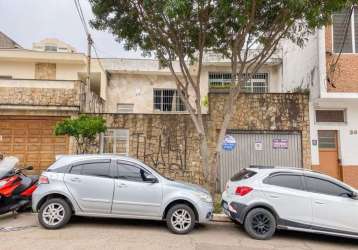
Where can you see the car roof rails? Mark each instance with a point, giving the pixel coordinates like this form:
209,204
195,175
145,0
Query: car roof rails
261,166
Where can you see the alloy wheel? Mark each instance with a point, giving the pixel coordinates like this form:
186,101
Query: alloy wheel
181,220
53,214
261,224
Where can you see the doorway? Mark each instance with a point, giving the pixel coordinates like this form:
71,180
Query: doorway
328,153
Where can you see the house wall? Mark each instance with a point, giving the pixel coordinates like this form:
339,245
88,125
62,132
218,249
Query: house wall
300,66
347,137
21,64
135,86
345,77
169,142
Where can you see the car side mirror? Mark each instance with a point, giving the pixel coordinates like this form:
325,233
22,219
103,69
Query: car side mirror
151,179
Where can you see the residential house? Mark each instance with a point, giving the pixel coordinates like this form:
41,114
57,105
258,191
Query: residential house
328,67
38,89
146,118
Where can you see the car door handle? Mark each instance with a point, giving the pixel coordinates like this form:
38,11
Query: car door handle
319,203
75,179
121,185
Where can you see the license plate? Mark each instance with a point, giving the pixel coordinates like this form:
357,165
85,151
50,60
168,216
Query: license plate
225,206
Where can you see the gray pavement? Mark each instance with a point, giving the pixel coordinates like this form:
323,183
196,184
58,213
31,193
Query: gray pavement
90,233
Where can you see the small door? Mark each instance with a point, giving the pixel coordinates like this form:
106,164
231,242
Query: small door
91,185
289,199
133,196
333,207
328,153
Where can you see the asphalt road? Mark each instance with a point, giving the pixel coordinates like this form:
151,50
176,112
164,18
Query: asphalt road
90,233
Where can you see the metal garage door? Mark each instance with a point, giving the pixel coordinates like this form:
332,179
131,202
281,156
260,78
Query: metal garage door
32,140
260,148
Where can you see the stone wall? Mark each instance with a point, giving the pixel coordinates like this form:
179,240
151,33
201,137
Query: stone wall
45,71
167,142
41,96
269,112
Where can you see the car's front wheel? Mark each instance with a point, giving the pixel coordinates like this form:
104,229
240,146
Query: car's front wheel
180,219
54,213
260,224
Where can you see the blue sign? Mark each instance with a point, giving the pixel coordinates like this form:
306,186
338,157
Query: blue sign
229,143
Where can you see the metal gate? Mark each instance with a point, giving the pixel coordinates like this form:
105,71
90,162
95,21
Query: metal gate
260,148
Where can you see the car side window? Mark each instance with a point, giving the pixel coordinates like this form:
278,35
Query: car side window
317,185
285,180
130,172
100,169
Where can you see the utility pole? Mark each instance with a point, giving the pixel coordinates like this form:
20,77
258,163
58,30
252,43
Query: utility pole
88,78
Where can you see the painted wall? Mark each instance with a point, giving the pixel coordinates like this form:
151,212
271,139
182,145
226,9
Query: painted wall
348,144
133,81
300,65
22,66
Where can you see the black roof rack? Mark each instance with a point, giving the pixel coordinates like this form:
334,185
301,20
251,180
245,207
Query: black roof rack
261,166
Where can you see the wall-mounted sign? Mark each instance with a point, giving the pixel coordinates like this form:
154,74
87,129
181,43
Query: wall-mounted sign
280,143
229,143
259,146
314,142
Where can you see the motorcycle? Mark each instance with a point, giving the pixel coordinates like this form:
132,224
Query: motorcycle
15,187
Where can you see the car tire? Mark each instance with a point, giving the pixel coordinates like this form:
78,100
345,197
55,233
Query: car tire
54,213
180,219
260,224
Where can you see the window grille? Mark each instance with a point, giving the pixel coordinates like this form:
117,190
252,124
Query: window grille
167,100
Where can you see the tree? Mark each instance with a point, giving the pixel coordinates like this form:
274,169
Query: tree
180,32
84,129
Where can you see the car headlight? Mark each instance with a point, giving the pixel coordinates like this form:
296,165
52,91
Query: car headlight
205,197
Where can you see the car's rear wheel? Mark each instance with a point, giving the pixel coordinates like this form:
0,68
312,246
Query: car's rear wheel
54,213
180,219
260,224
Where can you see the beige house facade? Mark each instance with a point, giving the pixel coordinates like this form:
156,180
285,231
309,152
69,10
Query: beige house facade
145,116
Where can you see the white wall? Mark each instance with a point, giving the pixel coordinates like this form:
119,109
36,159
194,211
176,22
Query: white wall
23,70
348,144
301,65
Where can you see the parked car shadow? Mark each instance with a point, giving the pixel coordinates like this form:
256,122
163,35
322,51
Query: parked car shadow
309,237
120,222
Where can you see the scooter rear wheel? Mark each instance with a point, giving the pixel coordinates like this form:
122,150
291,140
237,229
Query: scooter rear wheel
54,213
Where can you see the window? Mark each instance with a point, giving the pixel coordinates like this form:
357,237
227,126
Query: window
330,116
243,175
100,169
51,48
167,100
257,84
321,186
130,172
285,180
115,141
345,31
125,108
327,139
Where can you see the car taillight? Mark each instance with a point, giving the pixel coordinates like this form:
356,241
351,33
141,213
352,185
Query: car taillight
243,190
43,180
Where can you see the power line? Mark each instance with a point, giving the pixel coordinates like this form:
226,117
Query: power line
84,24
81,16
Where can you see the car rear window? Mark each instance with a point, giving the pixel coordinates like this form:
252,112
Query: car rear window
243,175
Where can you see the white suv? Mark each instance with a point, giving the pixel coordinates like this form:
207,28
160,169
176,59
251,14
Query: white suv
264,199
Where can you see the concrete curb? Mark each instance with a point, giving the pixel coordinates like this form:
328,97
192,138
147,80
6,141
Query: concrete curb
221,218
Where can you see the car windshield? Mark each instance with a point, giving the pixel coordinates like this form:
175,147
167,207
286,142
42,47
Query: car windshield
7,165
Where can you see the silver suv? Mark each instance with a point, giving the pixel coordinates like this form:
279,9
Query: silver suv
117,187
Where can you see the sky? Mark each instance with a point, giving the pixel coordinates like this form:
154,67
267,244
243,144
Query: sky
28,21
